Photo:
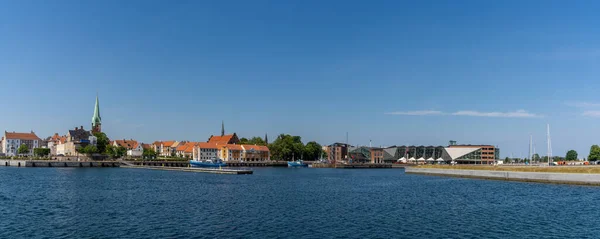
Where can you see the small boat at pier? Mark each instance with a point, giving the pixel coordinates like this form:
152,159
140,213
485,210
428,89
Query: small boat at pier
214,163
298,163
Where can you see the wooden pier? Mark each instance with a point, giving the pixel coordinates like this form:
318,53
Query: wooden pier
196,170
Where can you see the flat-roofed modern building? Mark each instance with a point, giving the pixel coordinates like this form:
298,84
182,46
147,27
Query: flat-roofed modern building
337,152
467,153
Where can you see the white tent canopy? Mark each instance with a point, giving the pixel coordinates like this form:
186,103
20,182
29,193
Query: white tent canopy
440,160
402,159
411,159
421,159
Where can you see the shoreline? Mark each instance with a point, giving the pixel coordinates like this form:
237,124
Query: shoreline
535,177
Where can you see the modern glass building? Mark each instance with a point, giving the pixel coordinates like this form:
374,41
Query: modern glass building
463,154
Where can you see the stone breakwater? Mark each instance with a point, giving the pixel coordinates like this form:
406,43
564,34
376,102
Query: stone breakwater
542,177
60,164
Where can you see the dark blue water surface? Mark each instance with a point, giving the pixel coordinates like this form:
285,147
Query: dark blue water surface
286,203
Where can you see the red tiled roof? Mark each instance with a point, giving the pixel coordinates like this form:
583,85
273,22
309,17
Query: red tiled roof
225,139
168,143
190,147
22,136
128,144
187,147
146,146
255,147
207,145
157,143
58,139
181,147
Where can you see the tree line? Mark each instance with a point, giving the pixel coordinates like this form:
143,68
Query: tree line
288,147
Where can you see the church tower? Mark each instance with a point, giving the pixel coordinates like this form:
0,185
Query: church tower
222,128
96,120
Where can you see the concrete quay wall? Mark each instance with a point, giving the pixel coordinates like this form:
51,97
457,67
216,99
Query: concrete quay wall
49,163
564,178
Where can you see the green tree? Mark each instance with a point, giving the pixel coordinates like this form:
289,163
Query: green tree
536,157
287,147
23,149
41,152
257,141
149,154
88,149
312,151
115,152
594,153
571,155
101,141
244,141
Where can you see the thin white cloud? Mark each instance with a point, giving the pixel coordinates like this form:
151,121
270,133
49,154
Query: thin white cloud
418,112
592,113
581,104
514,114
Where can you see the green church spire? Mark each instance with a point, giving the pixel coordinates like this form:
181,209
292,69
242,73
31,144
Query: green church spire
96,119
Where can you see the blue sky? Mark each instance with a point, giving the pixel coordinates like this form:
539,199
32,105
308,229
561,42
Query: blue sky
394,72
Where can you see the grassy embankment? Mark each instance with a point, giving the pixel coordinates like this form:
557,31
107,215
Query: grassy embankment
545,169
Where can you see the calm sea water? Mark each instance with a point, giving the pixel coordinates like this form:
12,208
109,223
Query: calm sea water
286,203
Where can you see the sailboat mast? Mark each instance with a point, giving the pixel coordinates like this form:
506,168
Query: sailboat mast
530,140
549,146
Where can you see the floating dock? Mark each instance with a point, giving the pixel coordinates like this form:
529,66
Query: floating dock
196,170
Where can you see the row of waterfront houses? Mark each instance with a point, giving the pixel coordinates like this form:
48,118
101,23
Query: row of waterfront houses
225,147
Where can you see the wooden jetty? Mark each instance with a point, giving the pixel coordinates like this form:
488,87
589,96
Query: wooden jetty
196,170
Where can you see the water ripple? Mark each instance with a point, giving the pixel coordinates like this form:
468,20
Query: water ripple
284,203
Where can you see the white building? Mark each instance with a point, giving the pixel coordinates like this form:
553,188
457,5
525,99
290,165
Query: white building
134,148
60,149
12,141
204,151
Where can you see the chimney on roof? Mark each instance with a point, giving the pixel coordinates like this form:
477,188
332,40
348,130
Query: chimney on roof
82,127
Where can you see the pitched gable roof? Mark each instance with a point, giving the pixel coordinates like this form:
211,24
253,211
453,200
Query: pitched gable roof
79,134
168,143
255,147
128,144
225,139
204,145
146,146
21,136
233,146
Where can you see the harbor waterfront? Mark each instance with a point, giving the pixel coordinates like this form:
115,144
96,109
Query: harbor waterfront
505,173
325,203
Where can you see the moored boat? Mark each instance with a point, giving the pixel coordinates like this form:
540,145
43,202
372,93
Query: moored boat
216,163
298,163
